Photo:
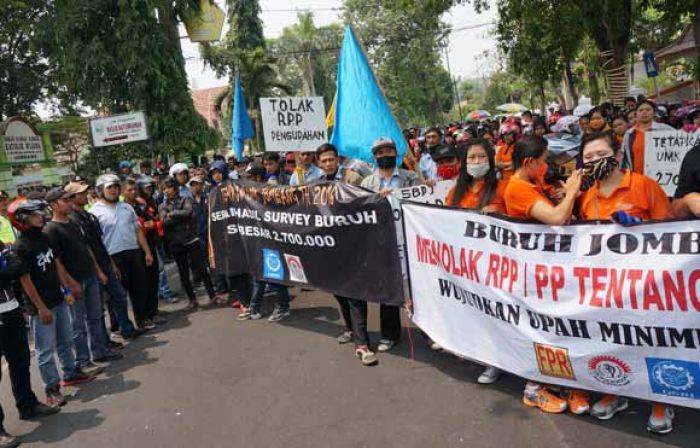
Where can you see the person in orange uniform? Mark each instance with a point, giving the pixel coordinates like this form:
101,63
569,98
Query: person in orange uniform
525,198
504,156
633,142
478,188
610,191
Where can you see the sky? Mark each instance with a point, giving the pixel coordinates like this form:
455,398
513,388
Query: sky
465,46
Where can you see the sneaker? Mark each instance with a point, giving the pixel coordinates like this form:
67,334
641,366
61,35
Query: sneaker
109,357
278,314
38,411
489,376
345,337
608,406
193,305
435,346
147,324
661,419
8,441
545,400
55,398
236,304
92,369
244,314
366,355
79,377
385,345
255,315
578,402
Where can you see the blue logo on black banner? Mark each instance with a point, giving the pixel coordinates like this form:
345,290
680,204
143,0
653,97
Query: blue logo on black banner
674,377
272,265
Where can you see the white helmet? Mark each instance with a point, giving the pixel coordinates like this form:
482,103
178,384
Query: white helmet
178,168
105,180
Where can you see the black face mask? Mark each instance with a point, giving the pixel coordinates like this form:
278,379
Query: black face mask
597,170
386,162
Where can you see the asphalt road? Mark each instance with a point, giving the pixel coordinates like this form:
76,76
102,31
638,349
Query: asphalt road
206,380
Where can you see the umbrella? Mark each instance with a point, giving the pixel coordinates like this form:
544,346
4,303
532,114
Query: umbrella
511,108
564,123
582,109
479,114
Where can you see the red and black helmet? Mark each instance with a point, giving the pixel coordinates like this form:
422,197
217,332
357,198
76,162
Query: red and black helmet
21,208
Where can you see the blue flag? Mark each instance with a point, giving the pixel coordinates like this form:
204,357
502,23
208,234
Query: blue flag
241,127
362,114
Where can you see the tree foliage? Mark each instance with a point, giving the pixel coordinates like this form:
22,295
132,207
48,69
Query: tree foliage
24,71
118,56
404,40
307,57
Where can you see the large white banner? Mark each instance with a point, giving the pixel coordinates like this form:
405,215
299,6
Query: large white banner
118,129
663,155
599,307
293,123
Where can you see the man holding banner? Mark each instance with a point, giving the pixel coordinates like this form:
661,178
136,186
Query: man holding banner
385,179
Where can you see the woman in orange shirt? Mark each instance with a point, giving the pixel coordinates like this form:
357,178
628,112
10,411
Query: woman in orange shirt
477,185
609,191
633,142
504,157
525,198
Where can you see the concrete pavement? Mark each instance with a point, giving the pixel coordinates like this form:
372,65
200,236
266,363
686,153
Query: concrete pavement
206,380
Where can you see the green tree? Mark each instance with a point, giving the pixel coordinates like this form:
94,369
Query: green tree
307,56
134,63
243,50
404,41
23,66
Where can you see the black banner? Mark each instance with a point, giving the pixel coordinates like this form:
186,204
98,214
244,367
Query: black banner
333,236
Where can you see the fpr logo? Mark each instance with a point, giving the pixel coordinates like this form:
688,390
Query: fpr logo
272,265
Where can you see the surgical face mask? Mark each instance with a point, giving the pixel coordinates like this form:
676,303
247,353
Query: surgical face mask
478,170
598,170
386,162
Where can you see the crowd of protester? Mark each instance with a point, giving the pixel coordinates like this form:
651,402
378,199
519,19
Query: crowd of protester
76,258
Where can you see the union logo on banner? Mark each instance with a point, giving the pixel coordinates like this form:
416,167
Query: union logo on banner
296,269
554,361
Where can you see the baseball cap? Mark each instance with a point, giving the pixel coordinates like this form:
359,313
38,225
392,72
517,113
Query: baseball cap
382,142
443,152
75,187
57,193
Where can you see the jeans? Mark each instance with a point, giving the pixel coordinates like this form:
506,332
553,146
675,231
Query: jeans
55,338
132,267
14,346
390,322
117,302
163,286
88,323
152,282
259,290
191,257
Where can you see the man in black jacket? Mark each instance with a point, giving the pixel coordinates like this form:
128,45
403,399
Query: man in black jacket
181,232
14,345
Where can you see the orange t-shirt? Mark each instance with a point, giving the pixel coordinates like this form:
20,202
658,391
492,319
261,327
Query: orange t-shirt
505,155
471,197
520,196
638,195
638,151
